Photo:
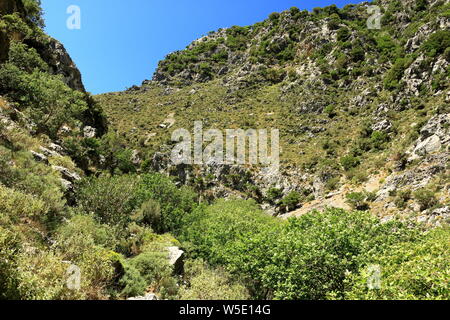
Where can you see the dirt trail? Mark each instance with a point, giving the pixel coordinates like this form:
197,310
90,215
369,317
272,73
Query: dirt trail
337,199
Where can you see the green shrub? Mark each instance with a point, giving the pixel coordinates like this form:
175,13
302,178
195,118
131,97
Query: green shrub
10,246
425,198
124,161
343,34
46,100
392,78
34,12
15,206
132,282
237,38
109,198
437,43
153,266
330,111
12,23
274,16
274,194
413,270
25,58
310,257
84,226
348,162
402,198
421,5
291,201
204,283
357,200
36,181
378,139
174,202
213,229
150,214
386,46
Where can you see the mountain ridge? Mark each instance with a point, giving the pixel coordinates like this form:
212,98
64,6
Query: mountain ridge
318,65
92,206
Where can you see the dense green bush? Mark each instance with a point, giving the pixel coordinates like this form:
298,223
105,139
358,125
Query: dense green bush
348,162
46,100
25,58
34,12
15,205
149,214
310,256
12,23
274,194
415,270
174,202
153,266
425,198
437,43
213,229
237,38
109,198
83,242
291,201
204,283
392,78
35,181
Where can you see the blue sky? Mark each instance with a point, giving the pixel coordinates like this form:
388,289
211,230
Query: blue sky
121,41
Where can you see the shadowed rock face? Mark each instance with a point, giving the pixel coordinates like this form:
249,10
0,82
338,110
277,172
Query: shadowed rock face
53,53
8,7
4,45
60,62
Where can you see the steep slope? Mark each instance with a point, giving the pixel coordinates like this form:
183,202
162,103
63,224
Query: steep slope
48,127
363,114
84,215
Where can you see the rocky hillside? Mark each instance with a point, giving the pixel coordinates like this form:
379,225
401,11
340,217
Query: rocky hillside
363,114
91,207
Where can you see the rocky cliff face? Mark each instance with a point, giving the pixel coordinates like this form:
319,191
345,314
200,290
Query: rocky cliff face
51,50
25,28
8,7
60,62
338,91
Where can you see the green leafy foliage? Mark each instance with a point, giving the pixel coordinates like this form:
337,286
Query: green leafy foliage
45,98
425,198
291,201
357,200
437,43
309,257
34,12
348,162
109,198
408,271
212,230
174,202
205,283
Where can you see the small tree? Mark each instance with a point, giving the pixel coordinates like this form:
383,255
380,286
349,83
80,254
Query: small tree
357,200
425,198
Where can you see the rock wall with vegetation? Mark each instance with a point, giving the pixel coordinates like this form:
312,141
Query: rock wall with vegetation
364,123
